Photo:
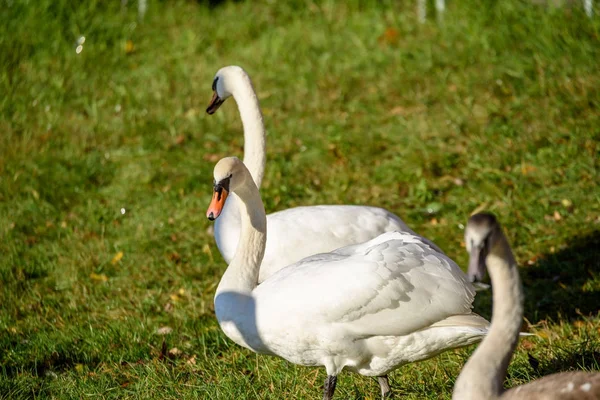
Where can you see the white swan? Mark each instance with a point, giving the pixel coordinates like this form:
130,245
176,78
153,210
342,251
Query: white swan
483,374
368,308
297,232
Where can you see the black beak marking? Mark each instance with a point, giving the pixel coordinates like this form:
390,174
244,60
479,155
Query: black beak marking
219,186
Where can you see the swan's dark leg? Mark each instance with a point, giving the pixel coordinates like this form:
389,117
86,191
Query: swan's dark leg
385,386
329,387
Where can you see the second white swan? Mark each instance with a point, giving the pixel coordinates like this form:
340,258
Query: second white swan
297,232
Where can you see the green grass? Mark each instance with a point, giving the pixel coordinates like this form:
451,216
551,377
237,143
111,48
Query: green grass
497,108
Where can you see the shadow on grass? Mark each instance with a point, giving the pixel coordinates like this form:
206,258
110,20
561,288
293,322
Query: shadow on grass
585,356
563,285
55,362
215,3
559,286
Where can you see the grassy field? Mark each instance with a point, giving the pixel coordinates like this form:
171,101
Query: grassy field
108,267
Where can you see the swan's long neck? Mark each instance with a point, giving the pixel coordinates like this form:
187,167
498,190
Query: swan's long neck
483,374
254,128
241,275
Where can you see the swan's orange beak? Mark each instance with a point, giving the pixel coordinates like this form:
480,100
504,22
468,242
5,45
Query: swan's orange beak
215,103
218,201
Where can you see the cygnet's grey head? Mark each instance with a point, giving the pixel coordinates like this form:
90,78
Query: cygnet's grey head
223,84
479,236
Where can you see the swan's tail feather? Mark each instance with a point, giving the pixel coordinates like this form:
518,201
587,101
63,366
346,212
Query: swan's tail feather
464,320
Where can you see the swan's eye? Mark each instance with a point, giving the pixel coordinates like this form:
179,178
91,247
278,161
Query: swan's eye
214,85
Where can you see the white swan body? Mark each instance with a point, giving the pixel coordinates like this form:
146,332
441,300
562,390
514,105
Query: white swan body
368,308
297,232
483,374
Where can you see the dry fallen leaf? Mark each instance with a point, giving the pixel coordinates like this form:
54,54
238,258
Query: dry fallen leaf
129,47
526,169
191,360
579,324
389,36
174,352
99,277
557,216
117,258
165,330
526,344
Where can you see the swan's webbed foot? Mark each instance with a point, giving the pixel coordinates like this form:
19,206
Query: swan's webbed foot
384,383
329,387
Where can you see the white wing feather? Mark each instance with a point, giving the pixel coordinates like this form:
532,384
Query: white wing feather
394,284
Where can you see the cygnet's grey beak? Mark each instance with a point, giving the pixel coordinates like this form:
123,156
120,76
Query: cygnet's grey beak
476,270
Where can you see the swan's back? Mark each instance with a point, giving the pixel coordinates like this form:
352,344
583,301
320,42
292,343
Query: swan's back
299,232
392,285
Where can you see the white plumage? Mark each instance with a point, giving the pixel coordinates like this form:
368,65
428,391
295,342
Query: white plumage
368,308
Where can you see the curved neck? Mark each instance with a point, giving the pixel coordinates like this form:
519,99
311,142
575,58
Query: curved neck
254,128
241,275
483,375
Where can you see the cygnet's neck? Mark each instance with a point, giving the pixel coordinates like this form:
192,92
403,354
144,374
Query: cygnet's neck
483,375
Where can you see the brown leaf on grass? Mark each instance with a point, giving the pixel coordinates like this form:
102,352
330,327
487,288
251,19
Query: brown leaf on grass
211,157
174,352
389,36
557,216
180,139
526,344
527,169
165,330
175,257
169,307
191,360
404,111
578,324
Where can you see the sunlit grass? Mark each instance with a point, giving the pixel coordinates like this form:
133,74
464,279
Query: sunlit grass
109,151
